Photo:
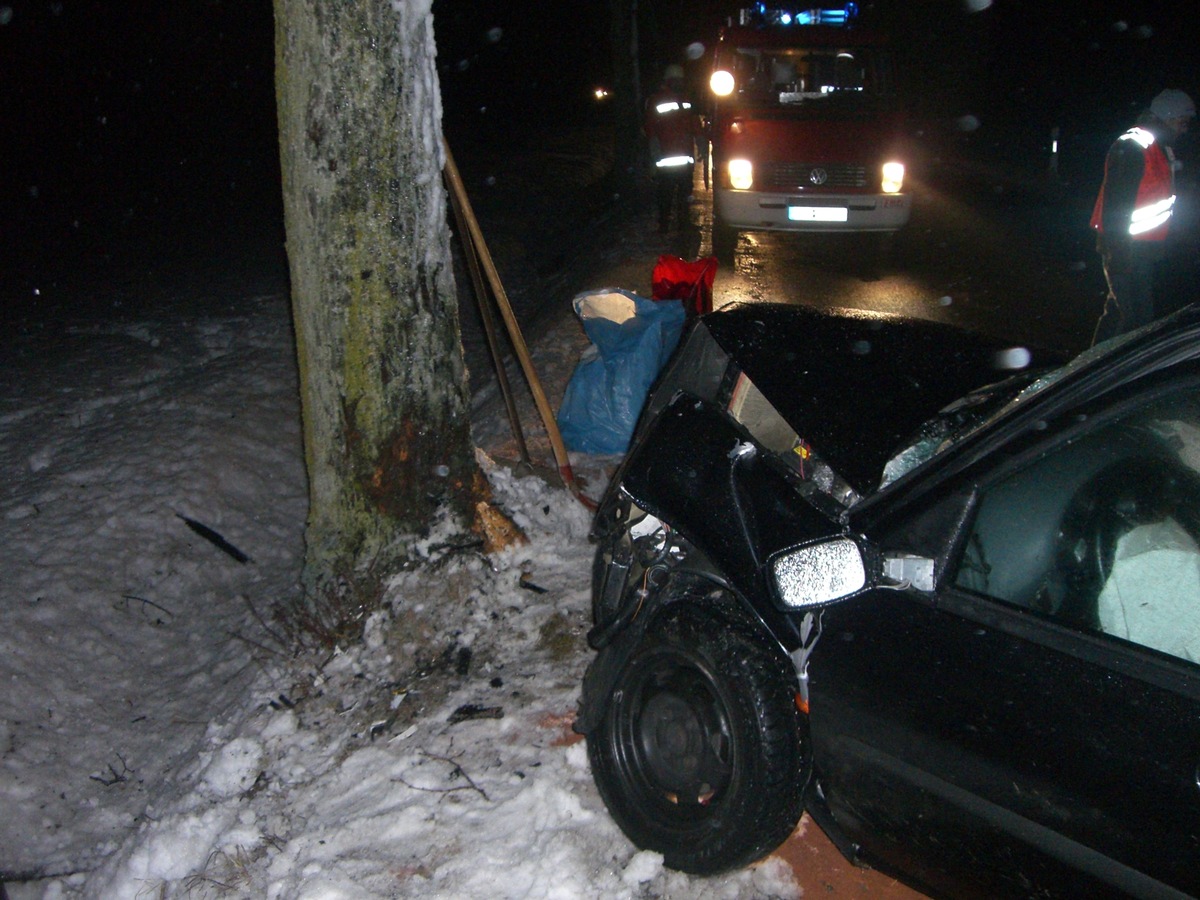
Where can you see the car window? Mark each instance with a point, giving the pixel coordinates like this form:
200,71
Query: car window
791,76
1102,532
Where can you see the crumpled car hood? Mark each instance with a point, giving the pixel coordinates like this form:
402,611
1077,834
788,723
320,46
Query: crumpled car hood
855,385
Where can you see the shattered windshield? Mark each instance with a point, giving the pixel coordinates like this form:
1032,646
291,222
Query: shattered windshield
980,408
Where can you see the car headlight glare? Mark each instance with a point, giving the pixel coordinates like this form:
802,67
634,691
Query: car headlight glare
721,83
893,177
741,174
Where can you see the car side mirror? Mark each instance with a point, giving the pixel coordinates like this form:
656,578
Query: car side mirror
822,572
833,569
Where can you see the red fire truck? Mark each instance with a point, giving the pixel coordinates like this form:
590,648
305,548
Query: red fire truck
805,127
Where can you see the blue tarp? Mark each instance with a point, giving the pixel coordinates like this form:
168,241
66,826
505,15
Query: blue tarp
632,339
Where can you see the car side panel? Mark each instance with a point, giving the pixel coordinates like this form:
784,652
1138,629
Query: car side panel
996,743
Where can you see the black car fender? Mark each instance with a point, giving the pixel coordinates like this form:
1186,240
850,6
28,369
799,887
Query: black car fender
720,510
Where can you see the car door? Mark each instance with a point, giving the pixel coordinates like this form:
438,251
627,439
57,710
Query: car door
1033,727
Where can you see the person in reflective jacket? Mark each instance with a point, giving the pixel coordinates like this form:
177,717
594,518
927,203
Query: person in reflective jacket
671,126
1133,211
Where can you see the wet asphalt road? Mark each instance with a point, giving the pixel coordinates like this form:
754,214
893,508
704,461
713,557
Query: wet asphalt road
1019,266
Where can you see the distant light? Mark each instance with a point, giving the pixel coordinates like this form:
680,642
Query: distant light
840,14
893,177
721,83
601,94
741,174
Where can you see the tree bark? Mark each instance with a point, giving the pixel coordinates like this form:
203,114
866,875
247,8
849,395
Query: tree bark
384,390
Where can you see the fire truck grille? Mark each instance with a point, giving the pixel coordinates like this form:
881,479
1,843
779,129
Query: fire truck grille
806,176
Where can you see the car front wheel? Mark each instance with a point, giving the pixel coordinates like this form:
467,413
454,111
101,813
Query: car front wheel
724,241
700,754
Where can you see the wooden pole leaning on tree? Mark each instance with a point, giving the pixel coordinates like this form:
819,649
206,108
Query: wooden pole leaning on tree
474,236
457,200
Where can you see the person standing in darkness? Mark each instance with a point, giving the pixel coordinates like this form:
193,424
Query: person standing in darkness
1133,211
671,126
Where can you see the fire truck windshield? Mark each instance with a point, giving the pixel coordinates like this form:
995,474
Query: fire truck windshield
798,75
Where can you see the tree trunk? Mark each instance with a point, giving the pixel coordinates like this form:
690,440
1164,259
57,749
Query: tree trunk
384,393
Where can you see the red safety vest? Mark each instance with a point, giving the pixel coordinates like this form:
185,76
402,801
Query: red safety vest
1155,195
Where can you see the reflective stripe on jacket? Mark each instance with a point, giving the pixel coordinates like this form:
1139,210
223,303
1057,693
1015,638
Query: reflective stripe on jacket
1155,194
670,124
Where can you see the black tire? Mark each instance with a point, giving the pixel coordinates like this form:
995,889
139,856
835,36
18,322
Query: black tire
885,250
724,242
875,254
700,755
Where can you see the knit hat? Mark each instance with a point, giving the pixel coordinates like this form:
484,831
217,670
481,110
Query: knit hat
1173,104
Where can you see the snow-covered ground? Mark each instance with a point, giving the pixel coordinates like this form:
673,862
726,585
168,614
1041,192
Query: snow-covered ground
123,637
156,740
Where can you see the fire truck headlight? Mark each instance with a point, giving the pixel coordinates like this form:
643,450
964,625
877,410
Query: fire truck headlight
721,83
741,174
893,177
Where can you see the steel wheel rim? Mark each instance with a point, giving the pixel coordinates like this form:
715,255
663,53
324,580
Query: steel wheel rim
674,735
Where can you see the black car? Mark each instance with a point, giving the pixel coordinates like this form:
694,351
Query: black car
941,595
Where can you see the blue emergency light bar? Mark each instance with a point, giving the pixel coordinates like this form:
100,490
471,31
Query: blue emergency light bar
762,14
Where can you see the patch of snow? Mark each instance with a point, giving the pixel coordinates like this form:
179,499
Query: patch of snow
155,740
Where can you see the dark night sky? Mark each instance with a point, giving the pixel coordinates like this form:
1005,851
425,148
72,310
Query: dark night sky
111,81
106,84
130,122
134,104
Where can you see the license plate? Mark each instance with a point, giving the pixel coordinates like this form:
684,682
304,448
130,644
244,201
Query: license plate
817,213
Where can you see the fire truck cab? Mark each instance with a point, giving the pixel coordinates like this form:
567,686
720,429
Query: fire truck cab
805,127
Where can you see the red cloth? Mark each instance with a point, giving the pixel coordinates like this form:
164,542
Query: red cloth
692,282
